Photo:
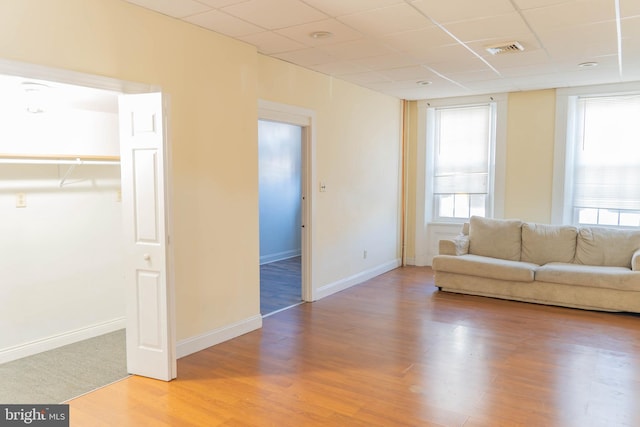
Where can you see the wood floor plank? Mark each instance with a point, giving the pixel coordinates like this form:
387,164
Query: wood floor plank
396,352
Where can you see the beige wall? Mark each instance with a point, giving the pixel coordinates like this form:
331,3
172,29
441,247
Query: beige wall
530,145
411,147
357,157
214,84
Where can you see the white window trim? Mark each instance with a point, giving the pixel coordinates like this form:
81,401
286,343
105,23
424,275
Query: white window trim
424,245
566,98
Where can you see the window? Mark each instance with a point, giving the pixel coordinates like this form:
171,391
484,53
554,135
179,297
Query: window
603,160
462,141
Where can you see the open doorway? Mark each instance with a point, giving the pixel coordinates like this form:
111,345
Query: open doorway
304,120
280,192
61,251
66,268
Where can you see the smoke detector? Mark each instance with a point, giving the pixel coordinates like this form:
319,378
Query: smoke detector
508,47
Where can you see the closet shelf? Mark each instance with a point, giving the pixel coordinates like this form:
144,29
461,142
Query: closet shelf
62,159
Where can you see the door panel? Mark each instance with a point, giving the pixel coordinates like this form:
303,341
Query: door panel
150,341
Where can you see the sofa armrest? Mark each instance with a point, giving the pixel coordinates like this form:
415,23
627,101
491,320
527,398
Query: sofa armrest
457,246
635,261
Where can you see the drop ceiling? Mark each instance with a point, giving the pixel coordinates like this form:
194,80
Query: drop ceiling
421,49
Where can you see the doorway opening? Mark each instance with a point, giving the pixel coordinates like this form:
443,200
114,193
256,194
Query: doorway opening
62,288
62,256
287,167
280,193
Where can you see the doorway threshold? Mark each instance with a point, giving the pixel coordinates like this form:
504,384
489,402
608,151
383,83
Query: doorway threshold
283,309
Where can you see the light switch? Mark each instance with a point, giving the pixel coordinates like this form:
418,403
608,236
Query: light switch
21,200
323,187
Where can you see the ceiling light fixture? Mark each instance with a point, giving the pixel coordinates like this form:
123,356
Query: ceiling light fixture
423,83
318,35
588,64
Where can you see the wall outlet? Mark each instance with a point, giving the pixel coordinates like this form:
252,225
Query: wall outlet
21,200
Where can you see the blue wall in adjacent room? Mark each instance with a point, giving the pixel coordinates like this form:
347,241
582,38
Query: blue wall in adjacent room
280,147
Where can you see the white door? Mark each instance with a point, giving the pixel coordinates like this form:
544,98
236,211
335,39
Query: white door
150,338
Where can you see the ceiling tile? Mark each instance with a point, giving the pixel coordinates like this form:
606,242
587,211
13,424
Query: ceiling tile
451,11
339,31
495,27
174,8
340,68
630,28
570,14
418,39
341,7
223,23
629,9
581,43
392,19
438,54
392,60
269,42
533,4
306,57
468,63
275,14
357,49
366,78
220,3
408,73
467,76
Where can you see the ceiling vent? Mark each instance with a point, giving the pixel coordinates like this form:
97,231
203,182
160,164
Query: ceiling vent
508,47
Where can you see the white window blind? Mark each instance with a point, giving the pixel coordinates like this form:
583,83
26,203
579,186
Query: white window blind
607,153
461,163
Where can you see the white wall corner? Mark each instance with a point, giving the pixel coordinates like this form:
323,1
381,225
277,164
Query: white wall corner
356,279
52,342
200,342
410,261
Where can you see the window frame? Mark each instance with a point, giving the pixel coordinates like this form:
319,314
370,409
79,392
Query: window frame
494,199
562,209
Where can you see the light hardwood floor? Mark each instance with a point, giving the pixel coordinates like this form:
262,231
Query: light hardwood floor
396,352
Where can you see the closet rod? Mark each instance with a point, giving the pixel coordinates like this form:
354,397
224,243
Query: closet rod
75,162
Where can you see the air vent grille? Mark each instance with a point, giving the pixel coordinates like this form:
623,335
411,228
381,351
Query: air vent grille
509,47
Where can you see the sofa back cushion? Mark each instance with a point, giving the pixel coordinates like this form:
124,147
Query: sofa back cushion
496,238
543,243
606,246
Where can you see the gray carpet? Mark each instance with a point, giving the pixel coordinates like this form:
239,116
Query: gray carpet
61,374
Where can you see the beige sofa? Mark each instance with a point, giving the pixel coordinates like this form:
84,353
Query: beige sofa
593,268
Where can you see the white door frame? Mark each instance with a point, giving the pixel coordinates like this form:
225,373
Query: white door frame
40,72
283,113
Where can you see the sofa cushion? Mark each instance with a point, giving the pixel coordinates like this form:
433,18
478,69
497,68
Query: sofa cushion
543,243
493,268
606,246
496,238
620,278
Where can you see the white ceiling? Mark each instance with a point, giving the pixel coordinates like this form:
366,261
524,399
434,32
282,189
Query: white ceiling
391,45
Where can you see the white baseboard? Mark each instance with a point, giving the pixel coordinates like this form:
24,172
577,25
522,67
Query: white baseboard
55,341
265,259
410,261
194,344
356,279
